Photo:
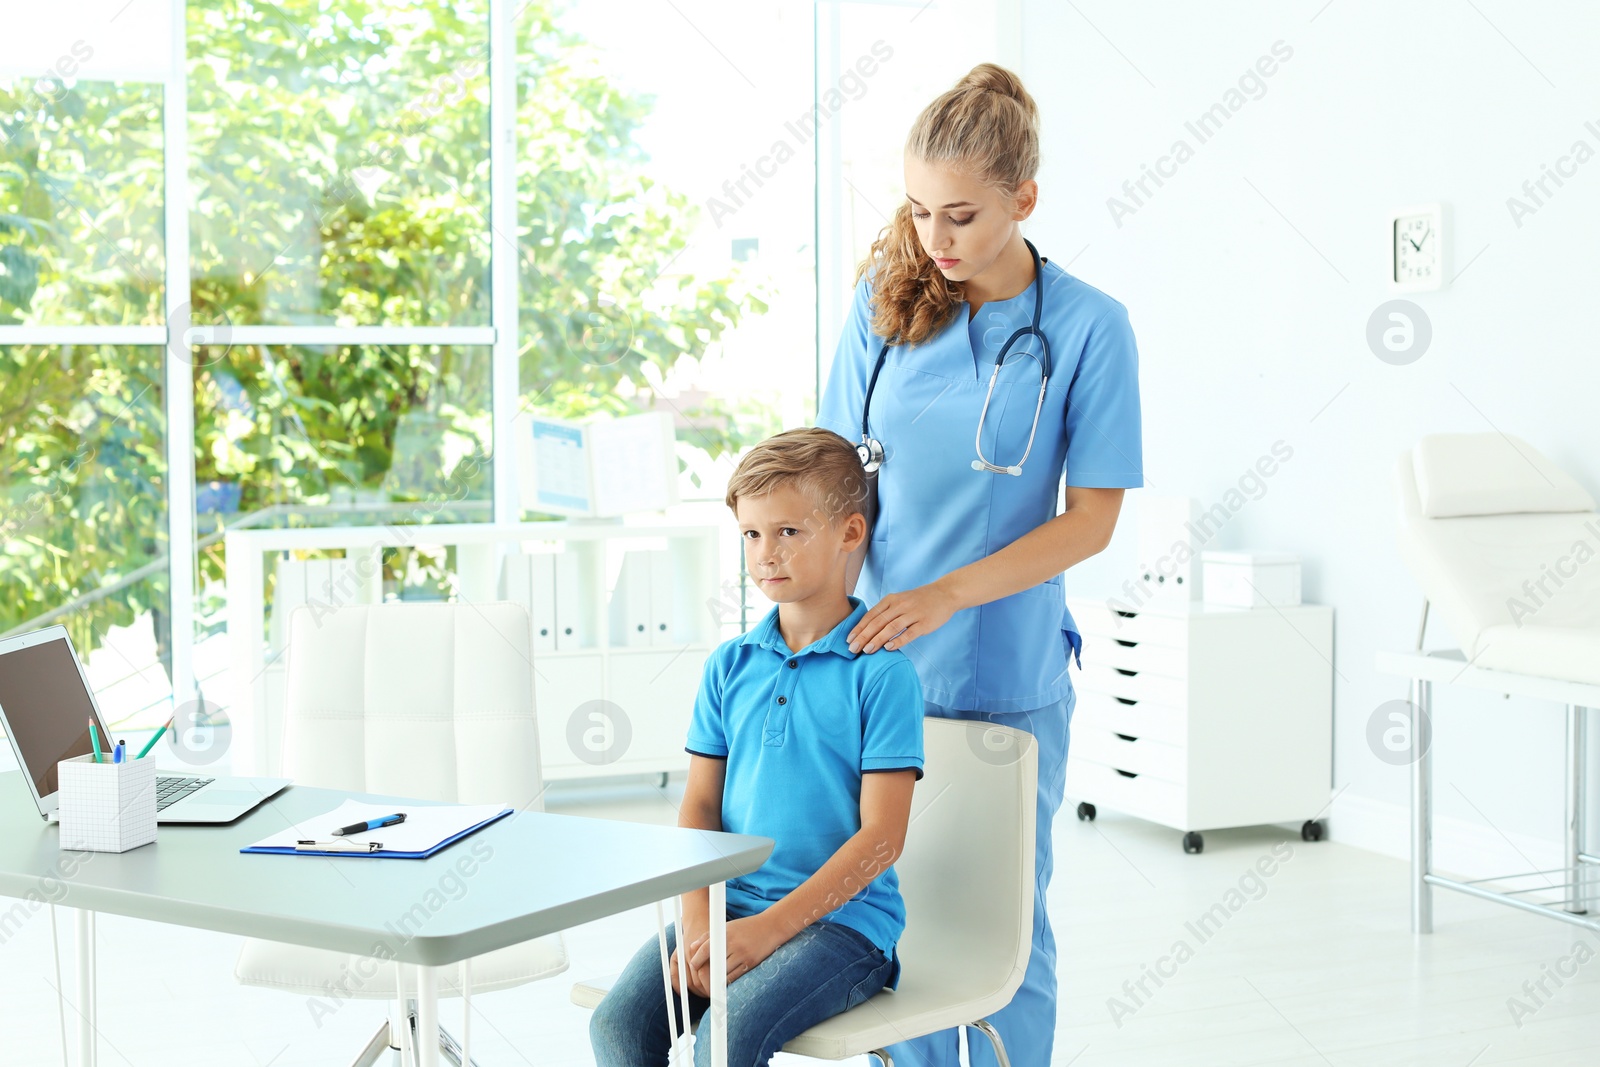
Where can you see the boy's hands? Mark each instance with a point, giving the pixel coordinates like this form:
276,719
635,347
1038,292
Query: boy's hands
699,983
750,940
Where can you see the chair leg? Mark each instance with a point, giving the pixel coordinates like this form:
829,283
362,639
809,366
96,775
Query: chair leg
983,1027
449,1047
377,1045
883,1057
451,1050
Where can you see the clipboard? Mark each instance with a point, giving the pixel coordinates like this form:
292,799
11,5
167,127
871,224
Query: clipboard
448,824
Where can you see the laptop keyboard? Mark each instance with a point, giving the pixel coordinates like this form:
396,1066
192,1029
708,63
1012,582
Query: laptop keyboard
172,788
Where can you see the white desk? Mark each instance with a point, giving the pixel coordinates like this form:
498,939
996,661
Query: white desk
546,873
1451,668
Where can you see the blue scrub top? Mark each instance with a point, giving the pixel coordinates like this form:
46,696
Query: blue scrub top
936,514
799,730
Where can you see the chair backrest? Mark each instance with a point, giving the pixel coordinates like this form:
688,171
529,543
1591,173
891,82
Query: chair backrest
967,871
431,700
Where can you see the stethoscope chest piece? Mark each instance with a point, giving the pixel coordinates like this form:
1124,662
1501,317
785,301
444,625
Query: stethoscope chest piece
871,453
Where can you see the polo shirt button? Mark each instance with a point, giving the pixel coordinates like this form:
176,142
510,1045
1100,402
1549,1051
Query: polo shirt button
793,663
783,700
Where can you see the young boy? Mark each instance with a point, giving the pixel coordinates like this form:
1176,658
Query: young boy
796,738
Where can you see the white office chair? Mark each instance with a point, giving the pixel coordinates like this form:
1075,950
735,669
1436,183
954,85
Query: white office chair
967,875
433,701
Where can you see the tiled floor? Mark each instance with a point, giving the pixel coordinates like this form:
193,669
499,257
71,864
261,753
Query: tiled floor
1313,964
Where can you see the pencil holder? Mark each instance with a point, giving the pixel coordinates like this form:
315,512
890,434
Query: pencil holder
107,807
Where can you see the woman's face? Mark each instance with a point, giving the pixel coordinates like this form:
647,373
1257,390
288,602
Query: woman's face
963,224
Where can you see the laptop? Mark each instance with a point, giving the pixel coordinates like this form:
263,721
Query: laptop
45,709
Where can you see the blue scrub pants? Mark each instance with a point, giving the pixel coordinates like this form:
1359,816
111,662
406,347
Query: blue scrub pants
1028,1024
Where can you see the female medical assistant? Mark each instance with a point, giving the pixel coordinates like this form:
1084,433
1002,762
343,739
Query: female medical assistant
936,513
1004,661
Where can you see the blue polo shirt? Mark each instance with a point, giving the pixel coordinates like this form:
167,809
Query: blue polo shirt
798,730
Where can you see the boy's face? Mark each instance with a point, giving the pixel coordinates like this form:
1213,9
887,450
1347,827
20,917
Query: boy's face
791,549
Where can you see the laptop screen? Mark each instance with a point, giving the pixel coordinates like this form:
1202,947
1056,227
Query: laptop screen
47,708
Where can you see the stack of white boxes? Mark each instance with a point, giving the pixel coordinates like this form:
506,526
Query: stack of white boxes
1251,579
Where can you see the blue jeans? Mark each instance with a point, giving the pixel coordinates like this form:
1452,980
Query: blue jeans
823,970
1027,1025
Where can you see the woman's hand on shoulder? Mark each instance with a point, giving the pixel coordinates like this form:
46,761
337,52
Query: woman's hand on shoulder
900,618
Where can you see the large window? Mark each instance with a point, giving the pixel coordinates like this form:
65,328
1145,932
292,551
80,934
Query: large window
309,245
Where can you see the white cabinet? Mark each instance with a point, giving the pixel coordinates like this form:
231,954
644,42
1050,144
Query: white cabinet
1199,716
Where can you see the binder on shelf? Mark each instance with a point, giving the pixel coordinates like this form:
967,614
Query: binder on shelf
427,829
542,596
630,601
529,579
662,598
569,601
514,580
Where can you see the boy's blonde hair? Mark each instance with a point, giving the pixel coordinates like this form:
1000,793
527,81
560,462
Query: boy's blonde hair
817,462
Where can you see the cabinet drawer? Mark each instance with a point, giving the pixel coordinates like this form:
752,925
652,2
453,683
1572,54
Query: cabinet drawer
1133,685
1094,618
1142,755
1134,794
1141,718
1139,656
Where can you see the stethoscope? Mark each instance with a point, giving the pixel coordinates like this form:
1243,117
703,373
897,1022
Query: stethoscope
871,449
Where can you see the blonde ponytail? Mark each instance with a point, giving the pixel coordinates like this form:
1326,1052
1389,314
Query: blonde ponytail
986,127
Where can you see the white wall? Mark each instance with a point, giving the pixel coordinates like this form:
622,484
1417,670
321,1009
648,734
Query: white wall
1250,275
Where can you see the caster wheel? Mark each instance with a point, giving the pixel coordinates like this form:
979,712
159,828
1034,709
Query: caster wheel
1311,831
1086,812
1193,843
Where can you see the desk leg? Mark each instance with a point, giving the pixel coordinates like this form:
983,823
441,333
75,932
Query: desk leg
1574,805
1421,807
719,975
674,1057
427,1016
86,962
